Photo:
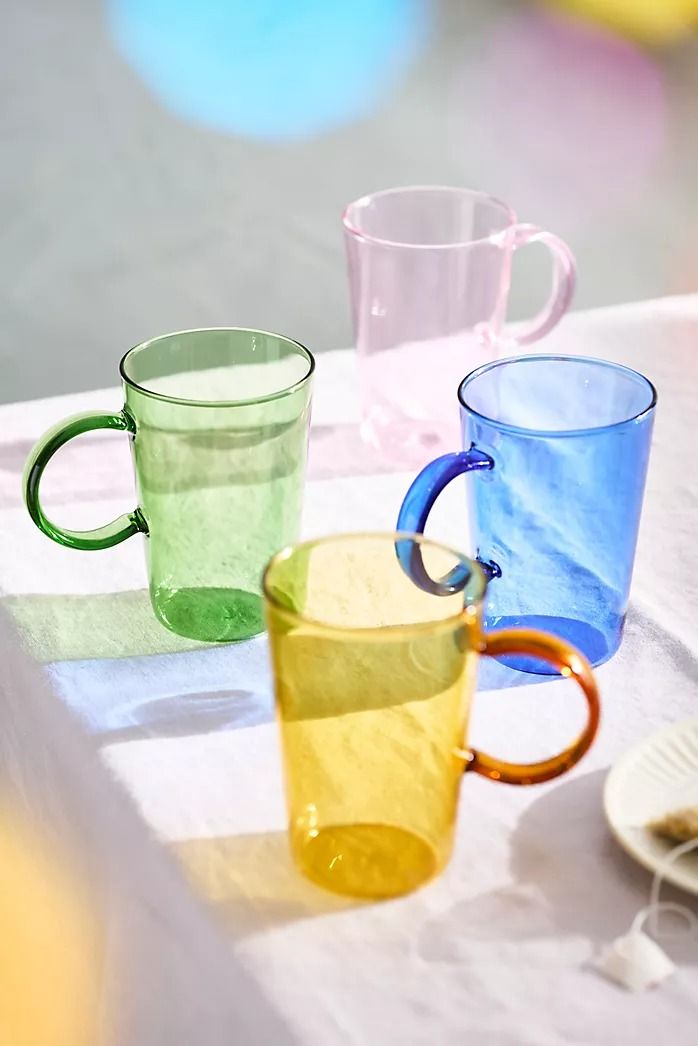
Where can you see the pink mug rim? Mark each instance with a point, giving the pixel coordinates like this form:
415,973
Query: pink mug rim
494,237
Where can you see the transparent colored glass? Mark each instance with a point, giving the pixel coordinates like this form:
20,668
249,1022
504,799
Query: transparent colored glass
559,448
219,423
374,677
429,277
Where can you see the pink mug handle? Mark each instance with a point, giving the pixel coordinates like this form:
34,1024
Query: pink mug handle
564,280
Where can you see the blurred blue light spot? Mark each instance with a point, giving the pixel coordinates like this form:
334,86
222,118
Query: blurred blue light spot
279,69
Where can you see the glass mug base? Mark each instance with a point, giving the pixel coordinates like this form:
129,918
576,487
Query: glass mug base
598,646
212,615
369,861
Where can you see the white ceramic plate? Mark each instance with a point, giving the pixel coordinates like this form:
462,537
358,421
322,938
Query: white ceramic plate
658,776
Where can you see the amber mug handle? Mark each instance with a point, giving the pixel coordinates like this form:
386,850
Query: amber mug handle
573,665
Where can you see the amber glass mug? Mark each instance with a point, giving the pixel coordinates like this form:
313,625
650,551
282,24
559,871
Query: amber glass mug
374,674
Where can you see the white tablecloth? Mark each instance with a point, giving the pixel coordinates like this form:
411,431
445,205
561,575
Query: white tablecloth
499,950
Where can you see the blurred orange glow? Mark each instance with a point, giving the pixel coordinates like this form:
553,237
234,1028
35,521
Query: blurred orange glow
49,945
651,21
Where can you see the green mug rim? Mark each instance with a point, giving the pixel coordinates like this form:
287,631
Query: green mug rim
182,401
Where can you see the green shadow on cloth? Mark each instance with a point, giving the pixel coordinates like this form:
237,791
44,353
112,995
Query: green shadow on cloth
83,627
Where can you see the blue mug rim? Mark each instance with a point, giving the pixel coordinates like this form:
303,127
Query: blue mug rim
504,426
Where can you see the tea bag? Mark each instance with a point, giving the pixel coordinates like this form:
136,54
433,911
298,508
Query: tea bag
680,826
635,960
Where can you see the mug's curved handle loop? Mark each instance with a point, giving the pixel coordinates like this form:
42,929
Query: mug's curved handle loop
571,664
414,512
564,281
102,537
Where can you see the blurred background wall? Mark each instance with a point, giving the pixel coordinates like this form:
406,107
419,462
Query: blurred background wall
178,163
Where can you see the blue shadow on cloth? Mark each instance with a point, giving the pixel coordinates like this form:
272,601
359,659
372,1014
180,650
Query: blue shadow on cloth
168,695
194,692
126,677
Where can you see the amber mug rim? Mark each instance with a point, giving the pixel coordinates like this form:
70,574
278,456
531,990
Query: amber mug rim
519,641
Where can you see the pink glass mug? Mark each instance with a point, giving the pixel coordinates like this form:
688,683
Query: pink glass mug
429,277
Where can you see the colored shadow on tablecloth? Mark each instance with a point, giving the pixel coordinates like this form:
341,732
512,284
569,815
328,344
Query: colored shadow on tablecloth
69,627
168,695
253,882
126,677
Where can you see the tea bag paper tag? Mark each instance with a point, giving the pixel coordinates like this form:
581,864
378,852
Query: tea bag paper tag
636,962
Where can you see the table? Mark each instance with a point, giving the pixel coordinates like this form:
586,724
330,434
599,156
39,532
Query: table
500,948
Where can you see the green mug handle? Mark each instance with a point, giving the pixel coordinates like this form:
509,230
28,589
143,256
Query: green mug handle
102,537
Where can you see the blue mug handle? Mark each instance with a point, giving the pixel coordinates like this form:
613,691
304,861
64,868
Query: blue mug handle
414,512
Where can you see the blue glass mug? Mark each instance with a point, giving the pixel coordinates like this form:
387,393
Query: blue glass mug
558,447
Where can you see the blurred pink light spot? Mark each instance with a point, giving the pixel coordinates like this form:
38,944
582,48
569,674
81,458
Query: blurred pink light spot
578,116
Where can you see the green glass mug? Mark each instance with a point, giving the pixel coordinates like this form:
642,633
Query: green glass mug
219,422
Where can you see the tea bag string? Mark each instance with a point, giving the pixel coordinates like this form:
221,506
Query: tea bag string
655,906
